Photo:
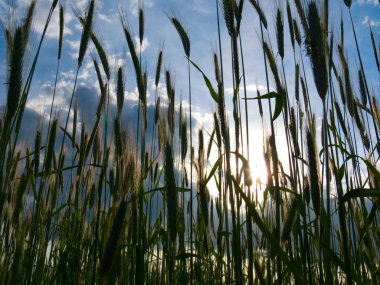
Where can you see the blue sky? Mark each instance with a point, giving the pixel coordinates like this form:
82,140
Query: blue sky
199,18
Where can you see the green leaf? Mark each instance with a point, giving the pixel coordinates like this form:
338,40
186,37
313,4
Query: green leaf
152,239
269,95
359,192
179,189
367,222
243,159
278,107
214,95
372,169
214,168
341,172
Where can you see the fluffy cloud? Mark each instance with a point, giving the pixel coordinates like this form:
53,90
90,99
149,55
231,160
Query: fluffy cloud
367,21
135,4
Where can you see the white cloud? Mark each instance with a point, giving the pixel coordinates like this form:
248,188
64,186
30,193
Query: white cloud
368,21
41,103
74,46
144,46
372,2
250,88
17,11
135,4
104,18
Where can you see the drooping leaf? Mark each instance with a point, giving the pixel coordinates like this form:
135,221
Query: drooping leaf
359,192
214,95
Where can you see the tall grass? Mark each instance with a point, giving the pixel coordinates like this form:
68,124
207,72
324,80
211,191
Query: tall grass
98,207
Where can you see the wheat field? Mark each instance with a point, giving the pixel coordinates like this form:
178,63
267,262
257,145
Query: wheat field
167,201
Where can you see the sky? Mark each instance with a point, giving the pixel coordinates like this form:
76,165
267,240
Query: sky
199,19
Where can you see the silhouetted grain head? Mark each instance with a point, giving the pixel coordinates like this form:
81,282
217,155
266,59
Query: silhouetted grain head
158,67
217,130
50,145
87,29
313,169
267,160
228,12
290,23
289,220
118,138
302,16
98,46
361,127
141,25
363,92
297,32
376,111
342,91
260,104
171,192
350,97
222,112
20,193
218,75
120,90
157,110
184,141
280,32
348,3
260,12
273,66
102,55
102,88
75,122
54,4
305,94
293,131
374,48
306,190
340,119
112,245
28,23
61,27
37,148
317,50
15,72
182,34
200,151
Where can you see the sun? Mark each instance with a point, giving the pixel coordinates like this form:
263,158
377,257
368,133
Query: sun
258,172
